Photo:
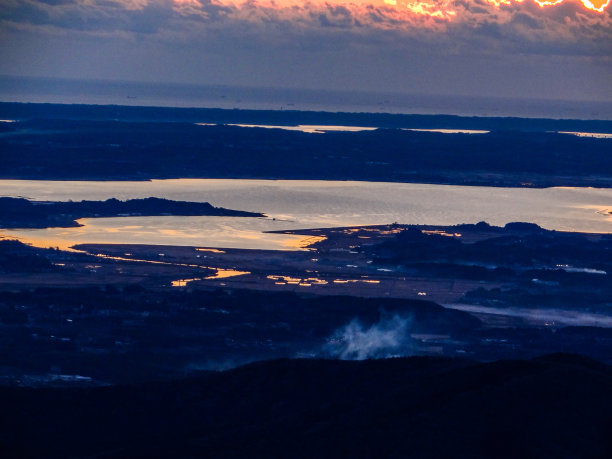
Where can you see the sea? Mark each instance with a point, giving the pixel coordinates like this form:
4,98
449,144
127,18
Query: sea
303,204
100,92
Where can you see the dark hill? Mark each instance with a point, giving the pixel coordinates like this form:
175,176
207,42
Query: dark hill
554,406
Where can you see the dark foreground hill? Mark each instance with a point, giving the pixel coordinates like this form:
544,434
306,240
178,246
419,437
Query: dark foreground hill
554,406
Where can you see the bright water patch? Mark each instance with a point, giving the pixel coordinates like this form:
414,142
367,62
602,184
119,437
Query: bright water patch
594,135
450,131
308,128
294,204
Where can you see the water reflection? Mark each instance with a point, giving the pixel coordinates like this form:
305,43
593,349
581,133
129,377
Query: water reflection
441,233
220,274
303,281
222,232
309,128
201,249
309,281
356,281
293,204
595,135
450,131
224,273
322,128
303,243
184,282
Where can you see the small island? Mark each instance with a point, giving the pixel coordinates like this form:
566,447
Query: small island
23,213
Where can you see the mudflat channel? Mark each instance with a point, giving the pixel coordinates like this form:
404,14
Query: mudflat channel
504,275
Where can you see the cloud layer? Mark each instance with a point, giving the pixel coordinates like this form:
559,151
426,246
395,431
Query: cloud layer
513,23
451,46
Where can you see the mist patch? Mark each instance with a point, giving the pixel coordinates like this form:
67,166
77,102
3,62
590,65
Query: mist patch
389,337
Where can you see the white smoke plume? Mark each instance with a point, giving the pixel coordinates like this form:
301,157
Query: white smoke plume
389,337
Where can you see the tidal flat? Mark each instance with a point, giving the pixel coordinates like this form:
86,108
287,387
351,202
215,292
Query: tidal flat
193,308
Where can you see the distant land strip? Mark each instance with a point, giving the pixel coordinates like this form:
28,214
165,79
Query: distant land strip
58,142
30,111
22,213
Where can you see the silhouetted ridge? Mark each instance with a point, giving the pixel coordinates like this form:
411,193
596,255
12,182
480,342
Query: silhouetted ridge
554,406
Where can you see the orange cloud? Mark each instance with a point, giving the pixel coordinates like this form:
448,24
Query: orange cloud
435,8
547,20
594,5
510,23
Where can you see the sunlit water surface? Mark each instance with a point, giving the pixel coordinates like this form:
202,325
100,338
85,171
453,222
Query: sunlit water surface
319,128
292,204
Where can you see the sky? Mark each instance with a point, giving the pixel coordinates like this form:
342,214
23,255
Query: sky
557,49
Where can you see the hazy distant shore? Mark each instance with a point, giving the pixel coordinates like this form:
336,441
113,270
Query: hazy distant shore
132,93
294,117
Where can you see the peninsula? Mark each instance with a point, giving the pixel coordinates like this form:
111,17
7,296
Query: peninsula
23,213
